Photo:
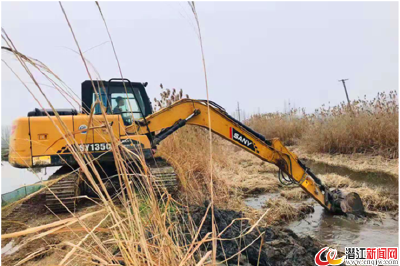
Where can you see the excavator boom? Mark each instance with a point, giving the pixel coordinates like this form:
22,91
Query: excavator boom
197,112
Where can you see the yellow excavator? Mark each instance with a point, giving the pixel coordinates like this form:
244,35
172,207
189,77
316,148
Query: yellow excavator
37,141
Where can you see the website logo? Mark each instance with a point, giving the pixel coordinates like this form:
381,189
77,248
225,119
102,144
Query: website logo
330,257
366,256
372,256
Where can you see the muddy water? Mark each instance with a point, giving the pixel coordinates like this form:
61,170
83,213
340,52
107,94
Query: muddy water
341,231
258,201
345,232
337,230
13,178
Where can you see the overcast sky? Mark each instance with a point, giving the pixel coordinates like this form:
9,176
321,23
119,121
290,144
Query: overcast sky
258,53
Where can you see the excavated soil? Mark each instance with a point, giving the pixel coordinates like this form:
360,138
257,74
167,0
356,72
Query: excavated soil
277,246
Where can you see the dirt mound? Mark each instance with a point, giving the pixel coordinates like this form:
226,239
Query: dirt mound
280,246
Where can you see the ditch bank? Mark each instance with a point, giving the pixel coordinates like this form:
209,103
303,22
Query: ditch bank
265,245
238,243
356,162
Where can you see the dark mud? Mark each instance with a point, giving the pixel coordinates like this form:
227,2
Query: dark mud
279,246
276,246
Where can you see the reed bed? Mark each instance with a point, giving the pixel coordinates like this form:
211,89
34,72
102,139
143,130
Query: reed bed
288,127
369,127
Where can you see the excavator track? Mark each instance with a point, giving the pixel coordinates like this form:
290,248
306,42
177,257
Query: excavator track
164,175
66,191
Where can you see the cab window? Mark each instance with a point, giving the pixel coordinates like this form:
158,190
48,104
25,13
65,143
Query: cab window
126,105
103,99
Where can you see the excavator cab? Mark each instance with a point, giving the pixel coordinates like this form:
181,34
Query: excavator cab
119,96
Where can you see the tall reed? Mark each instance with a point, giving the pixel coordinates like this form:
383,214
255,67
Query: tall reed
371,127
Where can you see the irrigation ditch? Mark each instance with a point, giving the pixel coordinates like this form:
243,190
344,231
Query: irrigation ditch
342,231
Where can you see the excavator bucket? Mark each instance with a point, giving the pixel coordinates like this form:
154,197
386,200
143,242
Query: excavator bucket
349,203
352,204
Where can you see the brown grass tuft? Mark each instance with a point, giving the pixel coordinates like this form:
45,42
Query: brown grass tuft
294,194
338,181
281,211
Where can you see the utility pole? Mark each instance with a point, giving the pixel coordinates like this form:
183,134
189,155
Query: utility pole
238,110
347,95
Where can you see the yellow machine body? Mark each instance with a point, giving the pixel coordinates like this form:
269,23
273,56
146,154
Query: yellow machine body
39,141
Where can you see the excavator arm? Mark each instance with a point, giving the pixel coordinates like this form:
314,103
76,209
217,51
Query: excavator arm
197,112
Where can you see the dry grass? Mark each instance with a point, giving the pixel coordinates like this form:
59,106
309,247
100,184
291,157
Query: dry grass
338,181
288,127
253,179
281,211
294,194
371,127
357,162
246,172
187,151
255,184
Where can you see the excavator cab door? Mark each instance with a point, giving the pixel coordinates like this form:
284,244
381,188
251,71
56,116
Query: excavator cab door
126,105
118,96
